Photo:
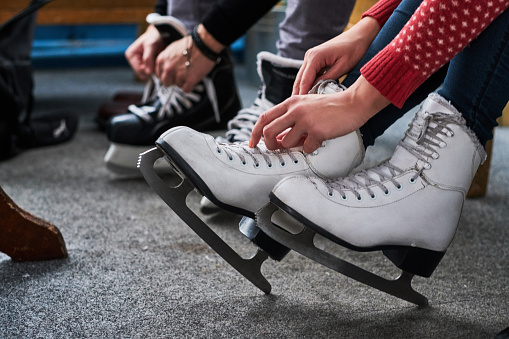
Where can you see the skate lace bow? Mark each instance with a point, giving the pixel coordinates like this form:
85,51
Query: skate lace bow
424,137
242,150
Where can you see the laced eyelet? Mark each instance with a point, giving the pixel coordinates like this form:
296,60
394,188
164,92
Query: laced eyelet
270,165
359,198
387,193
435,155
450,134
296,162
256,165
315,153
372,197
230,159
427,166
282,164
243,163
442,144
330,194
344,197
219,151
412,180
400,187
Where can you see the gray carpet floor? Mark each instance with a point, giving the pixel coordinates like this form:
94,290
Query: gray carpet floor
135,270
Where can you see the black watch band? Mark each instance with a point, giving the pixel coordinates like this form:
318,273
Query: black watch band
210,54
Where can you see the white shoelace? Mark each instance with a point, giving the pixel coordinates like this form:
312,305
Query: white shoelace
424,135
241,126
175,101
242,150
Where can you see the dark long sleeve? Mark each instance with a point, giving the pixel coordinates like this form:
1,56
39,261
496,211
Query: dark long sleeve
161,7
230,19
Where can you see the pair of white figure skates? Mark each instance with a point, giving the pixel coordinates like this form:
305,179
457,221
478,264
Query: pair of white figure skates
408,206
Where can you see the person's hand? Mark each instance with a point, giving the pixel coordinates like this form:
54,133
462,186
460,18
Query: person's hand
171,66
336,57
308,120
142,53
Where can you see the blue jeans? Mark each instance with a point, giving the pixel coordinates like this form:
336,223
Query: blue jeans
475,81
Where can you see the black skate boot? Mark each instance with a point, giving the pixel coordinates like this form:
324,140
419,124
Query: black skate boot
171,29
208,107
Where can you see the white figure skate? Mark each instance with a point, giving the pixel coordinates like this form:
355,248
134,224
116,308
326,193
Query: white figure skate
239,179
409,206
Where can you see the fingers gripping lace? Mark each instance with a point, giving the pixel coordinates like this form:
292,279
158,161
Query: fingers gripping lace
242,150
422,139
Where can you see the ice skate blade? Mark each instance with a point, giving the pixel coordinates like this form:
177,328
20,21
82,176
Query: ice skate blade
302,243
175,198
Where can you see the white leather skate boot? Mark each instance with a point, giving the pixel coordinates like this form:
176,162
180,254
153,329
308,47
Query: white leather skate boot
409,206
239,179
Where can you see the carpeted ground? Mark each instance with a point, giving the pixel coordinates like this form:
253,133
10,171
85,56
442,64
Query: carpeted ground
135,270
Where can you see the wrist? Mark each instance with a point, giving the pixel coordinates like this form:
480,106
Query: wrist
206,43
367,100
209,40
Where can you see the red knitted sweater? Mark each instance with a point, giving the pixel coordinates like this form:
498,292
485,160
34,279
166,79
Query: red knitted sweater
437,31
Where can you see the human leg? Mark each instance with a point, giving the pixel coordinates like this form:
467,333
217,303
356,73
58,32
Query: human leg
307,24
482,92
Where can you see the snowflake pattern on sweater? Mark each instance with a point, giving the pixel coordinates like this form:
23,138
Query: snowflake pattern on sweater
436,32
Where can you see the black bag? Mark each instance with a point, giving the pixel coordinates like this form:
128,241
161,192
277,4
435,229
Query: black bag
18,130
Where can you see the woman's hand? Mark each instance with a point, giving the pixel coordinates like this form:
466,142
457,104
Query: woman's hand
308,120
336,57
171,66
142,53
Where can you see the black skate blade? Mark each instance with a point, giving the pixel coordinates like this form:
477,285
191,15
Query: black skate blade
401,287
175,198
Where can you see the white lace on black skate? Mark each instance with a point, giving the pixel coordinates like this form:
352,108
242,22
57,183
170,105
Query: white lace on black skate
242,150
175,101
426,135
241,126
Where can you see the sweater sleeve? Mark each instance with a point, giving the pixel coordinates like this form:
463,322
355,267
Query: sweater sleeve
382,10
436,32
228,20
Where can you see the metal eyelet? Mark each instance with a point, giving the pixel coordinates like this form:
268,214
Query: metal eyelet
270,165
427,166
256,165
400,187
344,197
442,144
435,155
230,159
372,197
387,193
296,162
412,180
219,151
282,164
330,194
359,198
243,163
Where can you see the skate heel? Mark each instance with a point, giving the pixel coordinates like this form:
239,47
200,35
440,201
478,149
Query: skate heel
417,261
